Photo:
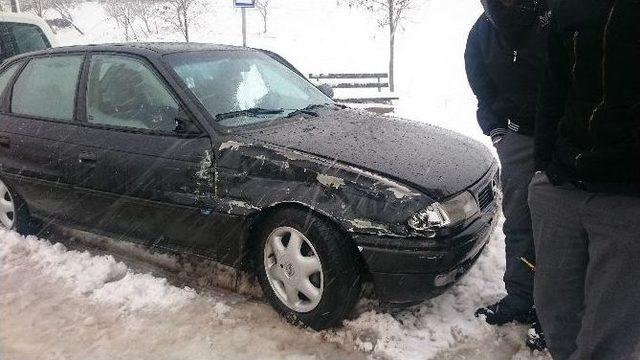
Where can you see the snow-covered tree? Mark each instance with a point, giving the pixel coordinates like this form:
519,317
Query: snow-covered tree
263,9
392,14
62,7
10,5
147,11
15,6
35,6
134,16
180,14
123,13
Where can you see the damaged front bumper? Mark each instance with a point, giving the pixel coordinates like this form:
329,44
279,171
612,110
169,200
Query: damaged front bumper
406,271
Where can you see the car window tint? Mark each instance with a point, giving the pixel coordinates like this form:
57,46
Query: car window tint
6,76
47,88
27,37
125,92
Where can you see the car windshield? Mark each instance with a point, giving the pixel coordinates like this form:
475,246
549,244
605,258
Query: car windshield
244,87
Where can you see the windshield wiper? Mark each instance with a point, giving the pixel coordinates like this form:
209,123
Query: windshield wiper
248,112
302,112
307,111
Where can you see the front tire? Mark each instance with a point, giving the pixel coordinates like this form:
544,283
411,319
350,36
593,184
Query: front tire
308,269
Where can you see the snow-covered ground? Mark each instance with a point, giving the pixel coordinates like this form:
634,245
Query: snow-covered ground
78,298
61,304
72,300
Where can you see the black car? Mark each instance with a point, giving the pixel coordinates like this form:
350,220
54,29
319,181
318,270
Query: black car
230,153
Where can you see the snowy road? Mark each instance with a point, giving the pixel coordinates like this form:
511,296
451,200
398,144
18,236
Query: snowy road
73,302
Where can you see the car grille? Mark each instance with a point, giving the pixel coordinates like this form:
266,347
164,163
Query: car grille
486,196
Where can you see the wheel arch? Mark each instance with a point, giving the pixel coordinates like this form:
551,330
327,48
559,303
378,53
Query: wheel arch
24,224
254,222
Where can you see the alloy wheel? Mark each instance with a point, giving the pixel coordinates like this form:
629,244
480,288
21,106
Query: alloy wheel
7,207
293,269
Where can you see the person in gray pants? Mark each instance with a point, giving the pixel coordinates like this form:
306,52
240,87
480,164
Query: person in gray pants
587,291
504,60
515,151
585,197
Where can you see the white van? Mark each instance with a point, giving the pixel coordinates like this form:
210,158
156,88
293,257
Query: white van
21,33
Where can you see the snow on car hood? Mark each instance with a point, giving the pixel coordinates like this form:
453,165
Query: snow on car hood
437,161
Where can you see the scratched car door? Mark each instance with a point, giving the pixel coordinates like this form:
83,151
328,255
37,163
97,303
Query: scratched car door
141,178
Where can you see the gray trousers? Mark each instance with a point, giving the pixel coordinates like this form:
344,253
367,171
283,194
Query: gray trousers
516,155
587,288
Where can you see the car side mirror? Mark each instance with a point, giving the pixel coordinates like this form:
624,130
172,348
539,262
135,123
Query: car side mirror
169,116
182,123
327,90
185,126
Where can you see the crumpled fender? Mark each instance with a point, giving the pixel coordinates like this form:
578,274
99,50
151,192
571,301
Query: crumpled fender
250,178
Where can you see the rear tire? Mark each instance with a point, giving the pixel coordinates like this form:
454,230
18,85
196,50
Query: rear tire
14,214
307,268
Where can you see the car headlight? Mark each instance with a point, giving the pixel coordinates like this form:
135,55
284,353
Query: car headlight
449,213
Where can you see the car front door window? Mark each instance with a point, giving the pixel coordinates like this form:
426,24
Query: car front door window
124,92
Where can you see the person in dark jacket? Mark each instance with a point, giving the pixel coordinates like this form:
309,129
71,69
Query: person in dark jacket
585,196
504,61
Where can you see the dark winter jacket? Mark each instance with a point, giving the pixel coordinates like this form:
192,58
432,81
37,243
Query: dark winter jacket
588,126
504,67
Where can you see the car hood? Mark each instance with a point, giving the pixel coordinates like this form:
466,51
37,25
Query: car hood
434,160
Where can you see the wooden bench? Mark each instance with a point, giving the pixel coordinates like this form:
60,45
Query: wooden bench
360,81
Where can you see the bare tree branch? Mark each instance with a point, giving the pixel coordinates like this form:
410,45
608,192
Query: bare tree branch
263,9
124,15
391,14
62,7
147,12
180,14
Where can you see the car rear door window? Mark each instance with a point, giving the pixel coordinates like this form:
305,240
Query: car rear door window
47,88
6,76
27,37
124,92
20,38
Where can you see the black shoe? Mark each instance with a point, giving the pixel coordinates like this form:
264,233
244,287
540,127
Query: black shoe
501,313
535,337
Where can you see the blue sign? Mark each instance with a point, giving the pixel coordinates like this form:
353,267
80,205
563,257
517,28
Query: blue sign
244,3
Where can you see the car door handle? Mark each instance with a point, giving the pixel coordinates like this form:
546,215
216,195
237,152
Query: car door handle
5,141
87,157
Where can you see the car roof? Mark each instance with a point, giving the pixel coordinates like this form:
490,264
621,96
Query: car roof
158,48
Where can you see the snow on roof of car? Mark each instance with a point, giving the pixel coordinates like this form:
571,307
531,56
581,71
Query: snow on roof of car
21,18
